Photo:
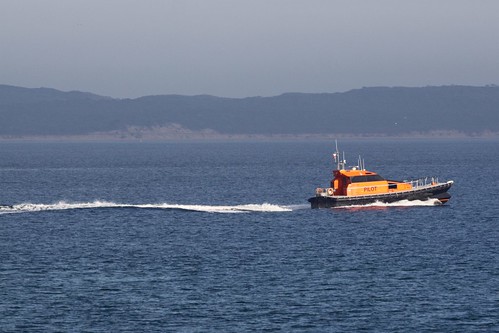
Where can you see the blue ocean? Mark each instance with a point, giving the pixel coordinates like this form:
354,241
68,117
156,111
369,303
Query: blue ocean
219,237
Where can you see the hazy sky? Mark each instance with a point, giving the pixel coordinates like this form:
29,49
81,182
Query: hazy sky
240,48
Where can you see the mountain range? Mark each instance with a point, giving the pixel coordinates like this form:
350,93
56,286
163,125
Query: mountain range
379,111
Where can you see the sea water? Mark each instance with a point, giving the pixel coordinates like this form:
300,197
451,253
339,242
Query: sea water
219,237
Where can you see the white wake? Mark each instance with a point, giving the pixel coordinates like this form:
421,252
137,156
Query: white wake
245,208
401,203
62,205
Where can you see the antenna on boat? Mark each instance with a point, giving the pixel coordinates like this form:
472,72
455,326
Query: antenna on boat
340,162
362,165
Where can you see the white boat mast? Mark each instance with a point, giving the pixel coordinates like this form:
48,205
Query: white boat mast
340,162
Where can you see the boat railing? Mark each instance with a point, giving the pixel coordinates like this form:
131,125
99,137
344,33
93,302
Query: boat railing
422,182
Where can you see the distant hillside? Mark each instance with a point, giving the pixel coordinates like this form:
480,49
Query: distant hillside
366,111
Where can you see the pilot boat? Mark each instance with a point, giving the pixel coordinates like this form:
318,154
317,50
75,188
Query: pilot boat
358,186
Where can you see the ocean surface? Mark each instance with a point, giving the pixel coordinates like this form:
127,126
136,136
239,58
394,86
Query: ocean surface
219,237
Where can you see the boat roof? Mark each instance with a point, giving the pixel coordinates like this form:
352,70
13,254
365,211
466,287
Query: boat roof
355,172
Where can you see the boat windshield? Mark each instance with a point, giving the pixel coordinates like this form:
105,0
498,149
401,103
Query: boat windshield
366,178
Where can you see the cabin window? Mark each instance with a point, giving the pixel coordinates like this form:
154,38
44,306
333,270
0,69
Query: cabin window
366,178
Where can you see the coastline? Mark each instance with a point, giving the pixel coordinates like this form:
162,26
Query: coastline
147,135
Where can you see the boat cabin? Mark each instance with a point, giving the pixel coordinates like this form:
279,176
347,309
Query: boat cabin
363,182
